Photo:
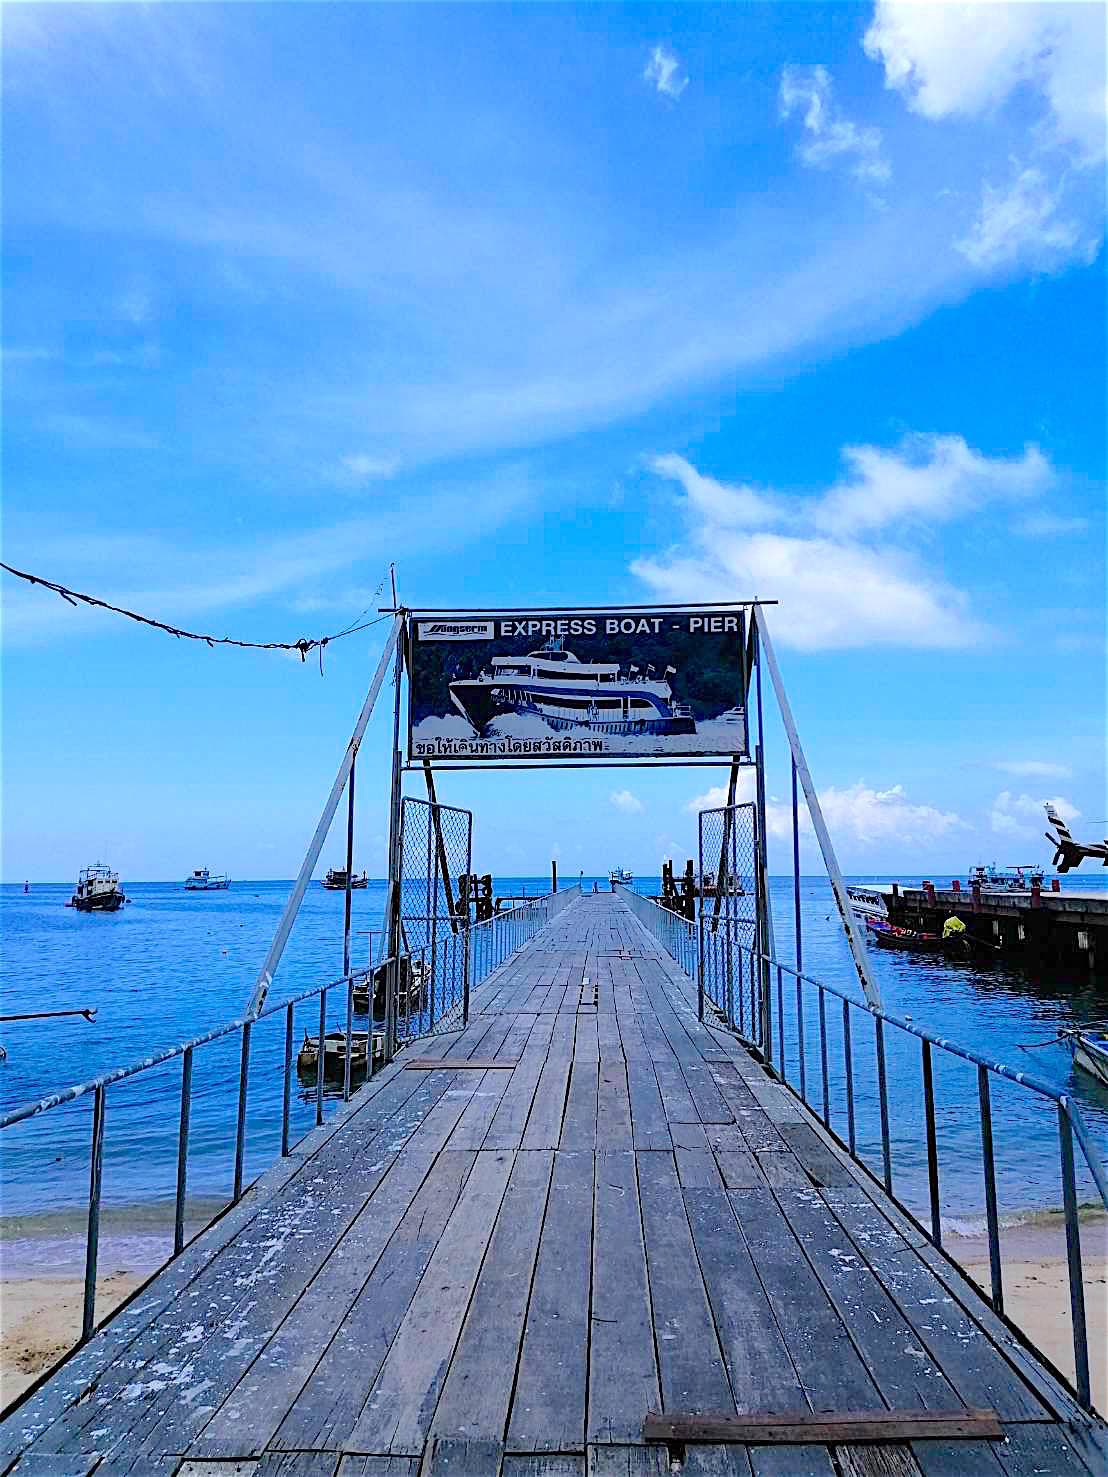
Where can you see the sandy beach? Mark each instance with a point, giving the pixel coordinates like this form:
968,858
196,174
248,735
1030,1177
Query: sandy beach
1036,1288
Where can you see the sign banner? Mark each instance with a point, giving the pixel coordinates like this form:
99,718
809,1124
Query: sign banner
579,685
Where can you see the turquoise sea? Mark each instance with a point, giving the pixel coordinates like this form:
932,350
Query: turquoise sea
174,964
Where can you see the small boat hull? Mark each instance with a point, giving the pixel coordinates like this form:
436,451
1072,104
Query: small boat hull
903,938
412,991
99,902
334,1055
1090,1053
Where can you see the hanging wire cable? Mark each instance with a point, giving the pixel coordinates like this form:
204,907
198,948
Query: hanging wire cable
303,646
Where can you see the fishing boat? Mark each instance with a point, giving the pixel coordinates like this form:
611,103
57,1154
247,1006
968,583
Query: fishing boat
1089,1049
620,877
98,890
867,903
554,685
335,880
1006,879
204,881
411,988
890,936
334,1054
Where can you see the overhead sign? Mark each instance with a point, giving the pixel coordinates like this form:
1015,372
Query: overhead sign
590,684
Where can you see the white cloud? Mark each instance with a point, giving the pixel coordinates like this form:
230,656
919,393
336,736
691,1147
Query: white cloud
663,70
1034,769
1049,525
1020,222
830,136
1024,816
854,813
837,586
361,468
627,802
953,59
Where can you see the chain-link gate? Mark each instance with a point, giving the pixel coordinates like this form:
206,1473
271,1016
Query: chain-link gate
433,973
727,890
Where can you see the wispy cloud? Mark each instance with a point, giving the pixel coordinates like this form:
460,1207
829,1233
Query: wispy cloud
1043,769
829,135
627,802
1021,221
856,813
839,560
663,71
360,468
1023,816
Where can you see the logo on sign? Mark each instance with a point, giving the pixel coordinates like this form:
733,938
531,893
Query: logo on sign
455,630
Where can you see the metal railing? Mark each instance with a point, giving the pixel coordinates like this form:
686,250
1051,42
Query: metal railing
487,946
750,988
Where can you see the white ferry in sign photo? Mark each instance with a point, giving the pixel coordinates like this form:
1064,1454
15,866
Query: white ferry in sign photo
554,685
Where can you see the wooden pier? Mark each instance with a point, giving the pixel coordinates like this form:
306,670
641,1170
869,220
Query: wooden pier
595,1211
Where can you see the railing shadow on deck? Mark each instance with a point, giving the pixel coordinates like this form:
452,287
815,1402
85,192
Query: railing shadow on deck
483,948
750,992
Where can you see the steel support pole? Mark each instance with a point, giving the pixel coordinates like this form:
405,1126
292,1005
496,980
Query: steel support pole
853,933
315,846
799,946
347,901
392,974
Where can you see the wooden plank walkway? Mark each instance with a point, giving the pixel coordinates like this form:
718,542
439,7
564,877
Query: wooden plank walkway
499,1273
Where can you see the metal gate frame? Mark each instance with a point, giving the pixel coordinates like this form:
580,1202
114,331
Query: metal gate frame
727,912
443,837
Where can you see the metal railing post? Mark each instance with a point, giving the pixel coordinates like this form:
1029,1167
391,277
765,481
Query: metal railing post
824,1072
346,1066
883,1095
1073,1258
320,1057
848,1071
989,1168
240,1126
348,898
182,1151
932,1146
286,1089
92,1239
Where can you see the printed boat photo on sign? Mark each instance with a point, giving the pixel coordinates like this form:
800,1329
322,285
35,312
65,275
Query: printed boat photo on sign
591,683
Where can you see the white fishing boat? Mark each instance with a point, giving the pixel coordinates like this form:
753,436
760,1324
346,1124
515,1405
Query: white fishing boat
867,903
1006,879
566,693
335,880
1089,1049
620,877
201,880
97,891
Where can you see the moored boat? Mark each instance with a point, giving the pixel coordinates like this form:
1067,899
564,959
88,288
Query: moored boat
620,877
1089,1049
335,880
334,1054
98,890
201,880
867,903
889,936
411,989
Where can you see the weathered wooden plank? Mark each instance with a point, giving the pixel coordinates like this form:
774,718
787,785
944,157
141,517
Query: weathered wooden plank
248,1417
544,1122
474,1064
548,1410
649,1124
903,1369
957,1459
325,1411
478,1389
838,1427
510,1118
579,1127
782,1169
401,1404
876,1461
831,1371
623,1371
1034,1448
539,1465
454,1456
378,1466
758,1363
613,1108
824,1166
627,1461
693,1376
791,1461
696,1169
716,1461
737,1164
296,1464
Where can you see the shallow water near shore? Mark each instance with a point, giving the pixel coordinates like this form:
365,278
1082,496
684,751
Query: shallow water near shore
173,964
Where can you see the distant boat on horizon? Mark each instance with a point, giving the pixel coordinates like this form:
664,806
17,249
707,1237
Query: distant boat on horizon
335,880
201,880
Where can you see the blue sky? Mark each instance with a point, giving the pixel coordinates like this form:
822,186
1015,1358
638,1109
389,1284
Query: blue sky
551,304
